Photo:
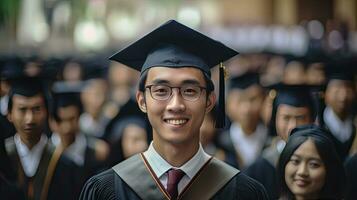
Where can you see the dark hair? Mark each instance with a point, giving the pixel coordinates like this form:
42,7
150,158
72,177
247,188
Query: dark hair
65,100
335,173
46,97
117,133
209,82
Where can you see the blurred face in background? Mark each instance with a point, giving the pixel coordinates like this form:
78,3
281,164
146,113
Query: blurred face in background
72,72
294,73
244,106
289,117
305,172
94,96
29,115
134,140
339,96
68,125
121,80
315,74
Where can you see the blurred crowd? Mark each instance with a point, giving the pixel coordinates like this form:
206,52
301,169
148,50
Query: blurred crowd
93,120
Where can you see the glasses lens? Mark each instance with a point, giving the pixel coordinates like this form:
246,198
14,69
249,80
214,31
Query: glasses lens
160,92
190,93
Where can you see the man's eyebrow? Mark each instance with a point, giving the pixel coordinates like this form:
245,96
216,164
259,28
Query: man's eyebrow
160,81
188,81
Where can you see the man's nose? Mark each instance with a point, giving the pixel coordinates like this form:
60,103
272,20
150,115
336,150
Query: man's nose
176,102
29,117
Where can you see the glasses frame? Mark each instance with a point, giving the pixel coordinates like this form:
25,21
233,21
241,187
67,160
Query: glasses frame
171,91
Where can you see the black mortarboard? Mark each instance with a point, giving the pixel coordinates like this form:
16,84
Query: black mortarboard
245,80
341,69
176,45
95,68
66,94
293,95
27,83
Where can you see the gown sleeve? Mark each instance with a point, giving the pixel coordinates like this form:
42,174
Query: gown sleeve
99,187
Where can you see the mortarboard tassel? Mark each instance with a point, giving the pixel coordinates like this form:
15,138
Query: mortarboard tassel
221,116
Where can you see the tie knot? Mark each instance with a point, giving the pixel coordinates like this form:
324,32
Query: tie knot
174,177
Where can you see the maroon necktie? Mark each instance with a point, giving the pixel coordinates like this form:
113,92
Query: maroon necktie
174,177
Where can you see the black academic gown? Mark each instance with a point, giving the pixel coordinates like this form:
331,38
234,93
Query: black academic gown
133,179
264,171
231,156
351,174
91,164
61,186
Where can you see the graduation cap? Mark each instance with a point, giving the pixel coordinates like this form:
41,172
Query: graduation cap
66,94
176,45
28,84
293,95
341,69
245,80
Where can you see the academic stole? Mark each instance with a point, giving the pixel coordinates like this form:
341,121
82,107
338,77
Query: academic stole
162,188
39,183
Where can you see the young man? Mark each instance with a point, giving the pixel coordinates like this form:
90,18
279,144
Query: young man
38,168
176,92
337,116
87,152
293,106
247,135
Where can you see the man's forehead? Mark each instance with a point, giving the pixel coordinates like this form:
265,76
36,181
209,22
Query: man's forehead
167,74
38,98
291,108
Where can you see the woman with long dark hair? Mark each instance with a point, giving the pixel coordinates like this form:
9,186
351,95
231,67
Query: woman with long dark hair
309,166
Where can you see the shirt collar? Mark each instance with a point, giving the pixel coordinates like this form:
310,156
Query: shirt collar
160,166
75,151
342,130
23,150
30,158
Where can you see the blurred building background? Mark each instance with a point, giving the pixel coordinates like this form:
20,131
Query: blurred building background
67,27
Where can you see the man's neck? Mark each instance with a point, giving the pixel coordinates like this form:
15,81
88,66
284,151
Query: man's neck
30,140
176,154
66,141
249,130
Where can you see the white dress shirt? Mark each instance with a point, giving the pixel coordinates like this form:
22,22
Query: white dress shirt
342,130
248,146
160,166
3,104
30,158
76,151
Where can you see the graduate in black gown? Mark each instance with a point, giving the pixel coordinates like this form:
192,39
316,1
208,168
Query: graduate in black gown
88,153
175,90
246,135
37,166
292,106
338,116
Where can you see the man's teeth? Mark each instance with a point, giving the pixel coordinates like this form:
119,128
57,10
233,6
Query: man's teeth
176,121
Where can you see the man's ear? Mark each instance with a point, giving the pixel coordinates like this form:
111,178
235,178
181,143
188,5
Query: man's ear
52,123
211,102
9,117
140,98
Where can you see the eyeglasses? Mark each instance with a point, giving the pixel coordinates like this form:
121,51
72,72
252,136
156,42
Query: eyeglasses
164,92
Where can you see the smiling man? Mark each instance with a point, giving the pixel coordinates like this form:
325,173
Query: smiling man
176,92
